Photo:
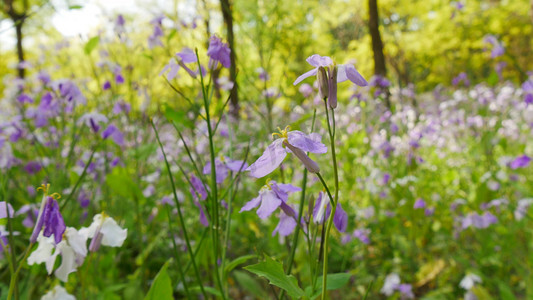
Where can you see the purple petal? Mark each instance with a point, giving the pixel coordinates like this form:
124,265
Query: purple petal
340,219
251,204
288,188
203,219
285,226
269,203
300,140
269,161
236,165
520,162
316,60
53,221
354,76
187,55
305,75
4,210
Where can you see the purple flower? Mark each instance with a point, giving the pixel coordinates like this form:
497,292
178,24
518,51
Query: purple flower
121,107
462,77
114,133
32,167
497,47
93,120
218,52
406,291
222,167
153,39
31,212
24,98
197,188
527,87
297,143
50,220
119,79
520,162
478,221
5,210
335,74
340,219
362,235
286,225
419,203
107,85
306,90
271,196
203,218
186,56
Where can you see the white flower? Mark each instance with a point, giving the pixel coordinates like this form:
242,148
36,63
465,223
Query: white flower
392,281
106,231
58,293
73,249
469,281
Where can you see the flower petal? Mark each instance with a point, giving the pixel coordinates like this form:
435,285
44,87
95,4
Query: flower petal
340,219
285,226
269,203
251,204
316,60
114,235
305,142
354,76
269,161
305,75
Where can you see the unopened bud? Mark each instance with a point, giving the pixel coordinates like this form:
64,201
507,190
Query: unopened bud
309,164
322,78
332,94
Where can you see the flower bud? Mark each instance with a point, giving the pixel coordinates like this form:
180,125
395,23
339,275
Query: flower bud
332,93
322,78
309,164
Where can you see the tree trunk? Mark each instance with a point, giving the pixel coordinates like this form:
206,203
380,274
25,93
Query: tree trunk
377,44
20,50
228,20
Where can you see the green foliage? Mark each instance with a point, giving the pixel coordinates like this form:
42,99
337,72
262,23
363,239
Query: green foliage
91,45
161,288
273,272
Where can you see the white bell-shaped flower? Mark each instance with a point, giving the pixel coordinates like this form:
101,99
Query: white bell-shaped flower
105,231
73,249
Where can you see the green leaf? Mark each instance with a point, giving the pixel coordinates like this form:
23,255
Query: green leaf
91,45
505,291
234,263
273,271
210,290
335,281
178,117
161,288
246,282
72,7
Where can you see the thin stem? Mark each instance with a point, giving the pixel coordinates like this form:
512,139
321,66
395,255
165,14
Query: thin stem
177,203
80,178
13,282
214,198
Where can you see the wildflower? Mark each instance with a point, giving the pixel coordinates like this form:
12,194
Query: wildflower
271,196
186,56
121,107
154,38
520,162
58,293
297,142
104,230
119,25
32,213
336,73
106,85
222,167
6,210
73,250
197,188
218,52
527,87
49,220
497,47
286,224
522,208
419,203
93,120
340,219
32,167
469,281
114,133
362,235
392,284
203,218
478,221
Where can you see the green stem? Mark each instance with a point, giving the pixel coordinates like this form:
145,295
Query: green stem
214,198
14,278
178,206
335,200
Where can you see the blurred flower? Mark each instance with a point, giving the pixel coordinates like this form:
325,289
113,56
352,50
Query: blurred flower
478,221
469,281
58,293
462,77
322,204
114,133
218,52
419,203
222,167
392,281
286,224
5,210
197,188
157,33
297,142
520,162
203,218
522,208
32,167
362,235
497,47
306,90
106,85
527,87
93,120
186,56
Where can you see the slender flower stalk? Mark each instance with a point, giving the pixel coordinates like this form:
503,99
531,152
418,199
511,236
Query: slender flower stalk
178,206
214,198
